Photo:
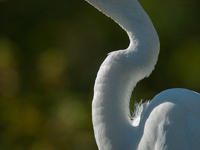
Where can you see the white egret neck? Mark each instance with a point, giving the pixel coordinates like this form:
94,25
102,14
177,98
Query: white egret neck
120,72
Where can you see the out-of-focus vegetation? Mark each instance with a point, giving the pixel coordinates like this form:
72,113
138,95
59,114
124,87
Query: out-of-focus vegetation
50,52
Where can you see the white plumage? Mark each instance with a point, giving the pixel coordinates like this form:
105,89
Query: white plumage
171,121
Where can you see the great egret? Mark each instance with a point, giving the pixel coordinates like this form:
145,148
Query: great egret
171,121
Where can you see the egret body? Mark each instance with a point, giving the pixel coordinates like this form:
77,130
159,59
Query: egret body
171,121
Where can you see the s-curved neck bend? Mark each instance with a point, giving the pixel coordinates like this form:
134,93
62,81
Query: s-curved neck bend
119,74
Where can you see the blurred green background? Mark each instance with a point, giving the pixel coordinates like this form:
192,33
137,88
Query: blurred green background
50,52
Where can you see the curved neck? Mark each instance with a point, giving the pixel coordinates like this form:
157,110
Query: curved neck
129,15
119,74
